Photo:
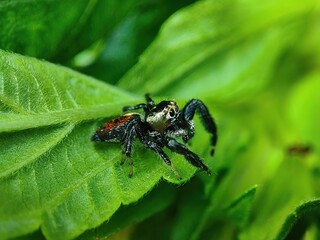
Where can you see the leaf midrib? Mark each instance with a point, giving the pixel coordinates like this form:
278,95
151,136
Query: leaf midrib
21,122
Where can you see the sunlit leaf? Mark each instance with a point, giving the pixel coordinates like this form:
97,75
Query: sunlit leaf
255,66
203,46
304,110
51,175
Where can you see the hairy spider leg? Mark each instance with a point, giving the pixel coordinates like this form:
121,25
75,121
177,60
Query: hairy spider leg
128,147
149,143
129,108
190,156
188,113
165,158
128,137
149,100
123,158
145,107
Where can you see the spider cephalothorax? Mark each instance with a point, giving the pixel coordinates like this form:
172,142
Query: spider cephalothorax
163,115
159,127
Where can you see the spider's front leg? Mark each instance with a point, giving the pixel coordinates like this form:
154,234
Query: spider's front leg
139,106
149,100
145,107
188,113
190,156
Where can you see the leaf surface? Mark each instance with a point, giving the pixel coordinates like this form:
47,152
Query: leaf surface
58,29
279,198
304,101
239,209
159,199
51,175
202,48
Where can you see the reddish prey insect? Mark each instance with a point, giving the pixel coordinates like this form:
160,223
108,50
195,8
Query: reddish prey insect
159,127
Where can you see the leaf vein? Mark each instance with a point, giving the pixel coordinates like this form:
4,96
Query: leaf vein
16,92
37,154
73,100
56,93
45,104
2,85
59,197
28,99
12,105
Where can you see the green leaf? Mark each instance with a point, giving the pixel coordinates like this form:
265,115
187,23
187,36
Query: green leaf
190,208
51,175
194,207
159,199
239,209
203,46
288,188
302,211
246,157
304,101
124,46
49,29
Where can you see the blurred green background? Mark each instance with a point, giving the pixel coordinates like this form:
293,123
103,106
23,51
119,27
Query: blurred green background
256,65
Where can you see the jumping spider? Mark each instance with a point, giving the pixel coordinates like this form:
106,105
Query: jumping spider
159,127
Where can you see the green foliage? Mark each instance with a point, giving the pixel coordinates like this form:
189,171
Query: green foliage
256,66
54,169
54,29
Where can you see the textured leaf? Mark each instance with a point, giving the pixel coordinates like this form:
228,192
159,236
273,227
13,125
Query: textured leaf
57,184
203,46
159,199
51,175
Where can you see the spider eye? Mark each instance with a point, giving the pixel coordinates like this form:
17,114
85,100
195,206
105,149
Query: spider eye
172,113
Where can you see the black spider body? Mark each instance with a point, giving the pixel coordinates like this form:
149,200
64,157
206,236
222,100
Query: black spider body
159,127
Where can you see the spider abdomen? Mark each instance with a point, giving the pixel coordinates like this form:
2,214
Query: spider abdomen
115,129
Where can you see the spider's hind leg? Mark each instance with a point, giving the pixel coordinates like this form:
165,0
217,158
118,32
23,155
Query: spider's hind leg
127,145
127,155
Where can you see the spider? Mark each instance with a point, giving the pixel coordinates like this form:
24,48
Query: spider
159,127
